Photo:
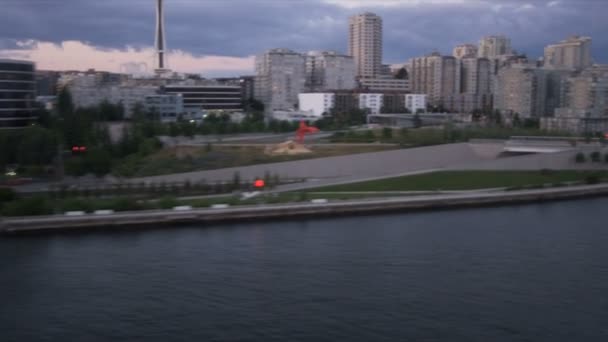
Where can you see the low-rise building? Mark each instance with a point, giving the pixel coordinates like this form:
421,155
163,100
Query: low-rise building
371,102
415,102
293,115
384,84
168,107
316,103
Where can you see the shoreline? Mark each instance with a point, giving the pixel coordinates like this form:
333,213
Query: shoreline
167,218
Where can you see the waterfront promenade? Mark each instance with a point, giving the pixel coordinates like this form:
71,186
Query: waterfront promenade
145,219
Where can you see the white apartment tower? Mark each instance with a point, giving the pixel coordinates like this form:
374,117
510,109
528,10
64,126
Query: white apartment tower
280,77
494,46
365,44
328,70
465,51
572,53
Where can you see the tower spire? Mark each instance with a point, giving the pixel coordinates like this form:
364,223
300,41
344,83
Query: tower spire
160,42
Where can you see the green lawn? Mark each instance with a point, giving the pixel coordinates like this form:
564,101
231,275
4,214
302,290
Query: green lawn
466,180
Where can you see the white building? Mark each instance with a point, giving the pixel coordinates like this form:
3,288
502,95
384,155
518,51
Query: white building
316,103
574,52
414,102
371,102
280,77
168,107
494,46
465,51
328,70
293,115
127,96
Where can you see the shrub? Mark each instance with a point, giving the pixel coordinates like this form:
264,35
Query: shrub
8,194
580,157
34,206
387,133
75,204
595,157
124,204
592,179
168,203
303,196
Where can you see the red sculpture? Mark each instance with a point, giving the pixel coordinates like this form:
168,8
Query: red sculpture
303,130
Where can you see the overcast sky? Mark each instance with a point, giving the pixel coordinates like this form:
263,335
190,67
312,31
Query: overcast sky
219,37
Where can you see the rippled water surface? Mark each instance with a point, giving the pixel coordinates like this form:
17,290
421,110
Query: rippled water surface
527,273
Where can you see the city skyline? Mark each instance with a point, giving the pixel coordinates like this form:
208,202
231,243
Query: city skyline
227,48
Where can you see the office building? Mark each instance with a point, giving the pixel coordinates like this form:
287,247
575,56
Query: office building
328,70
166,107
365,44
280,77
17,93
573,53
318,104
492,47
465,51
198,99
46,82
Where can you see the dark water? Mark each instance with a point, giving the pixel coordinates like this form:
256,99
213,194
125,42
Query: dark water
529,273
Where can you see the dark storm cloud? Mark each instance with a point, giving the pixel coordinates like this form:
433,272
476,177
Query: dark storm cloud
246,27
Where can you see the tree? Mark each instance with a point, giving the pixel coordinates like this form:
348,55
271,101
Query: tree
516,120
254,105
37,146
580,157
387,133
98,161
595,157
236,180
401,74
417,122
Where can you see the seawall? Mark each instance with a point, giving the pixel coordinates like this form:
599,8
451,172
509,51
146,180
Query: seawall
155,219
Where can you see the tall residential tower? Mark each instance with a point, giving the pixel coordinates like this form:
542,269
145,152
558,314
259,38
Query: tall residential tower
492,47
574,53
365,44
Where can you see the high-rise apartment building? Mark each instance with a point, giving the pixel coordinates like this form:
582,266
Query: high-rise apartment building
573,53
365,44
17,93
328,70
475,89
280,77
465,51
584,104
521,90
494,46
436,76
